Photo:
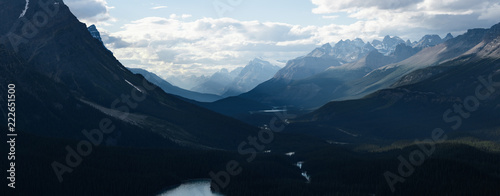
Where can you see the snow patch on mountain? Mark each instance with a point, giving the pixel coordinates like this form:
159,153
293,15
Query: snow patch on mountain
134,86
388,45
25,9
305,175
299,164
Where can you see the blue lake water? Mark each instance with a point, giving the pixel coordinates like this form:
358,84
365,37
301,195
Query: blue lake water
195,188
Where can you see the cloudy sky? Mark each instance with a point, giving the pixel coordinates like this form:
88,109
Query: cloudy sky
196,37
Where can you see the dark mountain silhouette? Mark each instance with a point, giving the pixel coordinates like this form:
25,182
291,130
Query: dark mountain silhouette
67,76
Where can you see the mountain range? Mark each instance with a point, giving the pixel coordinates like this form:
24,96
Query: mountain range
254,73
332,122
388,44
240,80
216,84
340,72
327,73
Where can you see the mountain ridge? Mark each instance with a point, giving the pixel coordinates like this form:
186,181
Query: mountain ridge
84,78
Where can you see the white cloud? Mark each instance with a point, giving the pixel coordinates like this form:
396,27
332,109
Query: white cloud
173,46
159,7
90,11
184,16
412,18
491,13
330,17
327,6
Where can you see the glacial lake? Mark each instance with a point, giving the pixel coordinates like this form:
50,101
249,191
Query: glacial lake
192,188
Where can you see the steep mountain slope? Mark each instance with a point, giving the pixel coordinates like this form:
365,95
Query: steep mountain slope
386,76
324,86
324,57
304,67
169,88
67,76
414,111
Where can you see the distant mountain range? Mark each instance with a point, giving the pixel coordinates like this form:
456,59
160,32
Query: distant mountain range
382,99
311,81
431,40
388,44
254,73
322,58
225,83
217,83
328,72
240,80
326,59
322,75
